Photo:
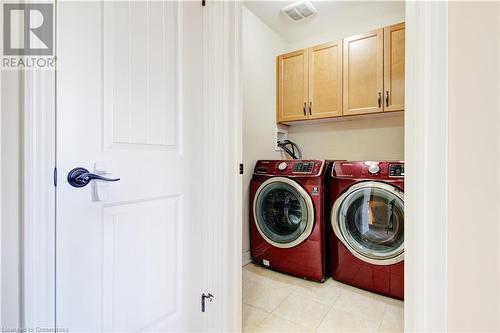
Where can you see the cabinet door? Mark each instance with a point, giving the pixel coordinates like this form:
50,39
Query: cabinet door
363,73
394,67
292,86
325,80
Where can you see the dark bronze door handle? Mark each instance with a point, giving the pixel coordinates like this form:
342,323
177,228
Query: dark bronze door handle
80,177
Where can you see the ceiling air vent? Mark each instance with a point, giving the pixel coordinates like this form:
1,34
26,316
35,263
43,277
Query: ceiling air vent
299,10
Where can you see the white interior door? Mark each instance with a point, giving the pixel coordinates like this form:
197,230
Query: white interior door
128,103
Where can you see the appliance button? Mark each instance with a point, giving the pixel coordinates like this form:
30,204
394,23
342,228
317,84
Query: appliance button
282,166
373,168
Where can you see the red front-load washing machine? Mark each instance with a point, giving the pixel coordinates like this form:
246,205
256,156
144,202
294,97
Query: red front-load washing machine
286,216
367,226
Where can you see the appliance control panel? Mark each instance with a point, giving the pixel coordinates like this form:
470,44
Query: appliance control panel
303,167
368,170
396,170
289,167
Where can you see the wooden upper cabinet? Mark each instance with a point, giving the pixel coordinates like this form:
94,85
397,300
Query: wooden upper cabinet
394,67
325,80
364,73
292,86
357,75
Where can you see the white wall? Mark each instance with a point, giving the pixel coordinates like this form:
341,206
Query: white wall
368,139
357,27
473,167
261,45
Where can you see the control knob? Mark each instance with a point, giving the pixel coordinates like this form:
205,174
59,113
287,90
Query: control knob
373,168
282,166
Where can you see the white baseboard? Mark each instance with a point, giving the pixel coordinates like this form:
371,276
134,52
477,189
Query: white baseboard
246,258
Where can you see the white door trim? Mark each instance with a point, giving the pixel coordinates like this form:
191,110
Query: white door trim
426,149
38,199
223,154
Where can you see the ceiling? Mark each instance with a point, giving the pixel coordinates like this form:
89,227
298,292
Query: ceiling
330,14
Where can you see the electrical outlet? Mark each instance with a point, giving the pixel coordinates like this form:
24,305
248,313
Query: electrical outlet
279,135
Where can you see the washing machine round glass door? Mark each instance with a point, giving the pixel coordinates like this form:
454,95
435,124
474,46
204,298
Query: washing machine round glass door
283,212
369,219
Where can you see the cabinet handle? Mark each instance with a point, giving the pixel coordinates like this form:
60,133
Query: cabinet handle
305,109
379,99
310,108
387,98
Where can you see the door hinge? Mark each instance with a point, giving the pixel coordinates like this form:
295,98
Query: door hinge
241,168
55,177
205,297
203,3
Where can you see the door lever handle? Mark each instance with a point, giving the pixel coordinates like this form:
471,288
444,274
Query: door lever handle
80,177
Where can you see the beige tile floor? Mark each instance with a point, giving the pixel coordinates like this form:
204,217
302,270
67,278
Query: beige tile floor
275,302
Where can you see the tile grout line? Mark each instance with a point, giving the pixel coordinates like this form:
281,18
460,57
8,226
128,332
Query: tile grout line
261,321
324,316
262,279
283,300
369,295
330,309
277,306
383,315
291,322
329,306
273,311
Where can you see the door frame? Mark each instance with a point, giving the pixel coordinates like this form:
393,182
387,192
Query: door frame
426,166
425,195
223,155
38,200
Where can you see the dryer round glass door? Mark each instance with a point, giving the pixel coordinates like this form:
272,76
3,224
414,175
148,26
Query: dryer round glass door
369,219
283,212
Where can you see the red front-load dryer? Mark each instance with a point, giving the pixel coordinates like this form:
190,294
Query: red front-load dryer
367,226
286,216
